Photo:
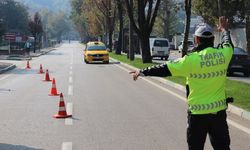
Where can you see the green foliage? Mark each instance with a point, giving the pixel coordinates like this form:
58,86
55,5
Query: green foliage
136,63
166,21
209,10
15,16
58,25
2,28
55,24
35,25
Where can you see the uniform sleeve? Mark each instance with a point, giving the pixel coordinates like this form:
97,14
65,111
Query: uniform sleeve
181,67
157,70
227,42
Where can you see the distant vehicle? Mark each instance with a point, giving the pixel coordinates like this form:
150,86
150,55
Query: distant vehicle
190,46
240,62
159,47
96,51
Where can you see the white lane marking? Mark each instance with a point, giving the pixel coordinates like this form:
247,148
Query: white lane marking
70,90
5,77
67,146
69,109
236,125
70,67
70,79
242,128
70,72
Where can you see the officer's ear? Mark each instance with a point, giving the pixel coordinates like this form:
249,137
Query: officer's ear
197,40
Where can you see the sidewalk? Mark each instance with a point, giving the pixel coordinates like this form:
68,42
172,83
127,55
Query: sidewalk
8,66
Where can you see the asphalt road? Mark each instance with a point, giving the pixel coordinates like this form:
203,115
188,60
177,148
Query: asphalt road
110,110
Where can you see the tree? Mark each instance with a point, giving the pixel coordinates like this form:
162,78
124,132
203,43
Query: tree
234,10
58,25
121,23
79,18
188,5
14,15
146,14
247,8
108,10
2,28
166,21
131,51
211,10
36,29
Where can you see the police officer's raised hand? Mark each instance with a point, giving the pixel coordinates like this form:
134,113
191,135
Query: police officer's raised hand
223,24
135,74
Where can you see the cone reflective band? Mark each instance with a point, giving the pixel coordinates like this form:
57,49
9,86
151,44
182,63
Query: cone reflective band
47,76
62,109
53,91
41,69
28,65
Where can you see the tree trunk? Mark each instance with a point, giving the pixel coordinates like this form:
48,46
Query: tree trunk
34,49
145,49
187,26
131,37
248,32
110,40
120,11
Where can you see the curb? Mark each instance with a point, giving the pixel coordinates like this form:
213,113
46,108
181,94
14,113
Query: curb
231,108
7,68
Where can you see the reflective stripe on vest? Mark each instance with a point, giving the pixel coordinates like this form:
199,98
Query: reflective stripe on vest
202,107
208,75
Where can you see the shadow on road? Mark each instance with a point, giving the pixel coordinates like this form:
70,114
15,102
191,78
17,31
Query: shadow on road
101,63
55,53
4,146
23,71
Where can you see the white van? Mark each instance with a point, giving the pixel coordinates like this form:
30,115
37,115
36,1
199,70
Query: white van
159,47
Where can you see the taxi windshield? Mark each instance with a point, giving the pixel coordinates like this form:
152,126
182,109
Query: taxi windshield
96,47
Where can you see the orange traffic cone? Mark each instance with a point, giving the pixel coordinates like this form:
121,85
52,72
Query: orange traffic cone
28,65
41,69
47,76
53,91
62,109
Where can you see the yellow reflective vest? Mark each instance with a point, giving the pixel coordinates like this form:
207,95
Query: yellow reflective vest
205,73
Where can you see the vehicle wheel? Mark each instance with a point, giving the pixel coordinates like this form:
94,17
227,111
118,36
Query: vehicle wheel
229,73
162,58
106,62
166,58
246,74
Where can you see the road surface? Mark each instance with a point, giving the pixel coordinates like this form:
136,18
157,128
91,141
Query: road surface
110,110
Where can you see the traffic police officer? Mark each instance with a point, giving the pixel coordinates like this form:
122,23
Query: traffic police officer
205,71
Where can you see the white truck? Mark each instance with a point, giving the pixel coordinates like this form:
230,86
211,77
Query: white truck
159,47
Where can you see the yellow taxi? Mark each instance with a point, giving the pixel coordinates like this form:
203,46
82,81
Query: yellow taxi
96,51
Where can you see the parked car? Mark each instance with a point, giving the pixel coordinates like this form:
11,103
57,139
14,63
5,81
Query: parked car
159,47
190,46
240,62
96,51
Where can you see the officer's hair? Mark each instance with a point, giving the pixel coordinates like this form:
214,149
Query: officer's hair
209,40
